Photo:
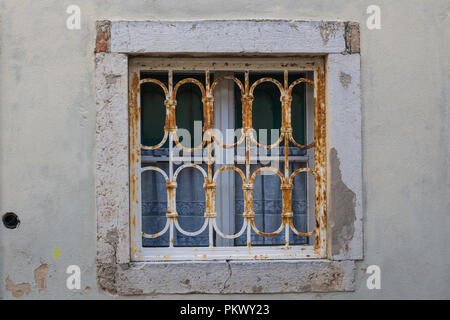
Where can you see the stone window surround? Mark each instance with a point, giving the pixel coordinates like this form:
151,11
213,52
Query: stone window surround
338,42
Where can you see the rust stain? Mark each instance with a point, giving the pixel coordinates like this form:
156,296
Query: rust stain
210,191
287,214
320,163
171,200
261,257
17,290
342,204
134,118
40,275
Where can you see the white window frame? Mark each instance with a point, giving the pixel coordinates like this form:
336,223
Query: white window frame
232,64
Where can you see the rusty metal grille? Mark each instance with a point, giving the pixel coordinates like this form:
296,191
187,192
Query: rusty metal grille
246,140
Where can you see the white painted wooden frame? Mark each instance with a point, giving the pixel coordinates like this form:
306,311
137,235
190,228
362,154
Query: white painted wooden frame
338,44
221,252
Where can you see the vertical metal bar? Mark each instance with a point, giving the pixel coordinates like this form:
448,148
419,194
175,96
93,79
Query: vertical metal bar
286,137
286,109
171,155
286,81
207,106
310,180
249,235
209,149
171,233
286,234
248,131
171,137
210,233
286,156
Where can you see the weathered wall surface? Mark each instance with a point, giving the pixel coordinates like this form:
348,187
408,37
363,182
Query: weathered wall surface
47,138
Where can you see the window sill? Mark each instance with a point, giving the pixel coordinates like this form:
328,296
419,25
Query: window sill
228,277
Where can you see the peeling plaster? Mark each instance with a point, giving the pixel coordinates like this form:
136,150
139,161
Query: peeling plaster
17,290
40,275
328,30
345,79
342,208
106,277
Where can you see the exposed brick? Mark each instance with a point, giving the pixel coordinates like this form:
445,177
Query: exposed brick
352,37
103,40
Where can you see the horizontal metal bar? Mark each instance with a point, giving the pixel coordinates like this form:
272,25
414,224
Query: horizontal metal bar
153,159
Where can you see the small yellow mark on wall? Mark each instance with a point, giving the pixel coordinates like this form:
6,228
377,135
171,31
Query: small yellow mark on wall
56,253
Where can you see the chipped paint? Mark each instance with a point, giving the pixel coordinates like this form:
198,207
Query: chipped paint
17,290
345,79
352,37
103,38
328,30
40,276
342,205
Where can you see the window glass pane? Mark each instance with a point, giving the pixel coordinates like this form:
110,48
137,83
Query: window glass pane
191,208
298,108
154,206
153,110
266,113
189,109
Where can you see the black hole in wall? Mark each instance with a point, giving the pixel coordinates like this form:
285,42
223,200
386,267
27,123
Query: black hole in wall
10,220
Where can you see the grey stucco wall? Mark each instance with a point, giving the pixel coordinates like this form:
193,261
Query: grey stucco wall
47,137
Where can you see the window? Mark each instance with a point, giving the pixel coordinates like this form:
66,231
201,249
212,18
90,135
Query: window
225,159
129,54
